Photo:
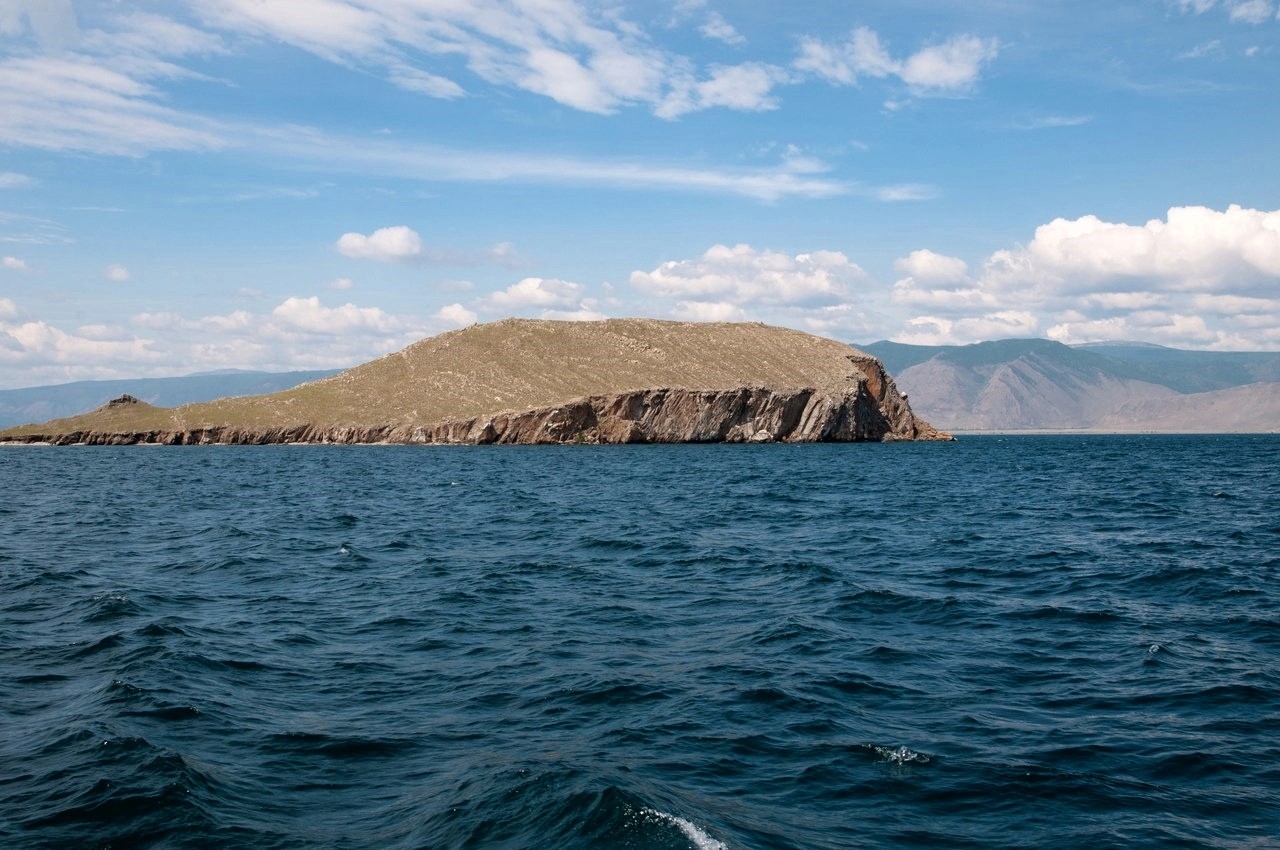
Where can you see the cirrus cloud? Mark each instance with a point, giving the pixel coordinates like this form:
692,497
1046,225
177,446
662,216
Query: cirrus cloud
950,66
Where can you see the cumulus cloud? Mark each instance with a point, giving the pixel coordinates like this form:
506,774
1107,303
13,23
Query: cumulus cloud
935,330
931,267
308,314
708,311
399,244
298,333
742,275
1192,248
456,315
402,244
15,264
116,273
32,350
949,66
1197,277
537,292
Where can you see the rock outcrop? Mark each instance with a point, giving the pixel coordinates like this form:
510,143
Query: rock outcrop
435,393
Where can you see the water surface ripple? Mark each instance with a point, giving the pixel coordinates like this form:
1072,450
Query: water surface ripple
1003,642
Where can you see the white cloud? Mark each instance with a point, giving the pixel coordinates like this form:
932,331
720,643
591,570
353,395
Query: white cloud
95,90
717,28
742,275
537,292
428,162
747,88
906,192
1198,277
584,56
298,333
399,244
116,273
16,264
340,284
308,314
1193,248
75,102
13,180
457,315
35,350
934,330
953,65
1047,122
708,311
584,314
1242,11
107,97
930,267
412,79
950,66
52,22
1251,11
1200,51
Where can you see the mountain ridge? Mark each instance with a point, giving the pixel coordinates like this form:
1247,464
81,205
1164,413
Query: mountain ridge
1038,384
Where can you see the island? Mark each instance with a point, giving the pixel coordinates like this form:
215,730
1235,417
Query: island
529,381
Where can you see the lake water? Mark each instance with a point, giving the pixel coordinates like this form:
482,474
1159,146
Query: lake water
1001,642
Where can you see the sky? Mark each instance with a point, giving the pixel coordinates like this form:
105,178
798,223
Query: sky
193,185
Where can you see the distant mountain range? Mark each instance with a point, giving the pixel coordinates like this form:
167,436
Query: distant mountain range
40,404
1037,384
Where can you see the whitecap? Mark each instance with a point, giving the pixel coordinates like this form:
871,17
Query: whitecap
901,755
692,831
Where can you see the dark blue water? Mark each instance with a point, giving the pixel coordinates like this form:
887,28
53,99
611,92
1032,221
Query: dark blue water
1002,642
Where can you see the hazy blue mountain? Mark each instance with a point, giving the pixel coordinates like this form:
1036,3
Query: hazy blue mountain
1032,384
39,404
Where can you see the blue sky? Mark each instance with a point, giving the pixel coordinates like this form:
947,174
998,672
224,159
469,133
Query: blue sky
282,184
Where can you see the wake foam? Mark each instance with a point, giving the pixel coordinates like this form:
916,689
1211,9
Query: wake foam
691,830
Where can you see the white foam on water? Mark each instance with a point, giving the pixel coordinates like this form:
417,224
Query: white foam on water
692,831
901,755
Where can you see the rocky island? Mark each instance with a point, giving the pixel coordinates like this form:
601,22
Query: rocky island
537,381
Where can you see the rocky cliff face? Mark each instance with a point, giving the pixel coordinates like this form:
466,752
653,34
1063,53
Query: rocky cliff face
869,409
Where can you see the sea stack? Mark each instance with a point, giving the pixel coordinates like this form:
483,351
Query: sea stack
537,381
